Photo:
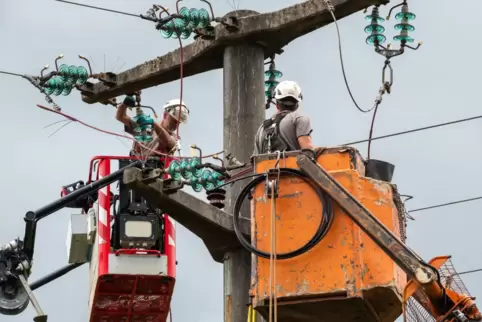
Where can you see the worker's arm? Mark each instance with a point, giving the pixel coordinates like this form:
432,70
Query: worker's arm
121,114
257,148
303,132
164,136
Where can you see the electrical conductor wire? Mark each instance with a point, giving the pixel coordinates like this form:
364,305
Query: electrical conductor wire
415,130
99,8
445,204
327,215
117,134
342,63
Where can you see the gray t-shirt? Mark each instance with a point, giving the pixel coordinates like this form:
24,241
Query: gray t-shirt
291,127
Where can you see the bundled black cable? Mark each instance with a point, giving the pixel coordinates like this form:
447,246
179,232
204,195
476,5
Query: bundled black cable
326,221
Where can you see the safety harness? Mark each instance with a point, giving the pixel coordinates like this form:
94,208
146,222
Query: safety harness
272,139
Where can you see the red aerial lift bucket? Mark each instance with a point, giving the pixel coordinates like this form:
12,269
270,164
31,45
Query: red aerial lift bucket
129,285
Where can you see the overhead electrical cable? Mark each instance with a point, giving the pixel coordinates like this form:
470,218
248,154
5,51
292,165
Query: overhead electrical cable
470,272
71,118
414,130
445,204
99,8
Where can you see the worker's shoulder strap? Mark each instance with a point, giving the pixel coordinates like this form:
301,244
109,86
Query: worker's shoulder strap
271,129
275,119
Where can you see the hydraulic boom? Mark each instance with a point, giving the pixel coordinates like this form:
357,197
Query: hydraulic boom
417,270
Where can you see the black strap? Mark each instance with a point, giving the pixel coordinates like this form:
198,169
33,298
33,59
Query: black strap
277,121
278,118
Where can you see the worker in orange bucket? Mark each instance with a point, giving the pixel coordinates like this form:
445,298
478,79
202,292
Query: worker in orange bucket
288,129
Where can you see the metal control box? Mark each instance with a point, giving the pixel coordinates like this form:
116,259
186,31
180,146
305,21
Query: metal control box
79,246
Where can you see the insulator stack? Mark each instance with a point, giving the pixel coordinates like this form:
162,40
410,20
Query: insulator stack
73,74
375,29
271,79
56,86
404,16
191,170
195,18
184,27
208,180
144,129
216,197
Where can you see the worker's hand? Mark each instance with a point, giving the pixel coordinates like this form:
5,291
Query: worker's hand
129,101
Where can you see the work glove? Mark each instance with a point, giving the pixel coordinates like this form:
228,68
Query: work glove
129,101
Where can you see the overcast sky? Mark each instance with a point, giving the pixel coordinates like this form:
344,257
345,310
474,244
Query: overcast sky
438,83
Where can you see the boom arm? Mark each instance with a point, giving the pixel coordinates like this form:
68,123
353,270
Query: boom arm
417,270
16,257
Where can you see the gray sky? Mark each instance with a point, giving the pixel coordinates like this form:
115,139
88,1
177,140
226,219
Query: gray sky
438,83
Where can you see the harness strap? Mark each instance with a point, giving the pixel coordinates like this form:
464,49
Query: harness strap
269,131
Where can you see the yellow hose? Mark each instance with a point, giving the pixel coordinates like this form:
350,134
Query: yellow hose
251,314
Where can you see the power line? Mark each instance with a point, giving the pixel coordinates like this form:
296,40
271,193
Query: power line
99,8
11,74
416,130
470,272
445,204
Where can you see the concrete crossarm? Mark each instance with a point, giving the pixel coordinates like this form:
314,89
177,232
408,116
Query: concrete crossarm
272,30
212,225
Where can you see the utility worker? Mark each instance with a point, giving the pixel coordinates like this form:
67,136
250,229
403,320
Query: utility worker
288,129
157,136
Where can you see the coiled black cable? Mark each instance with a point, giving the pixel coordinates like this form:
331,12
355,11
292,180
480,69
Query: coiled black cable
327,216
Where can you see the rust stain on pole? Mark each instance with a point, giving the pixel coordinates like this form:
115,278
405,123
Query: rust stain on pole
228,313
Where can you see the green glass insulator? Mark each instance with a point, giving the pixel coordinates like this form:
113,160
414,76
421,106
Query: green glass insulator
186,33
195,169
377,19
178,23
64,72
194,18
372,39
83,75
68,86
144,139
207,179
268,93
174,170
204,18
176,33
73,73
168,30
403,38
216,177
195,184
186,16
374,28
273,73
404,27
185,169
59,85
48,90
270,83
405,16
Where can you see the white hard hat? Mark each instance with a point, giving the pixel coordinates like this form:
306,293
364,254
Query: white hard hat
288,89
172,108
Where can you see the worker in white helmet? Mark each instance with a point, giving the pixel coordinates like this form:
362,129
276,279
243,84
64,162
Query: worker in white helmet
165,139
288,129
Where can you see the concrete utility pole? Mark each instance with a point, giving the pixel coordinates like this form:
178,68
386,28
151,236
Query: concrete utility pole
240,44
244,111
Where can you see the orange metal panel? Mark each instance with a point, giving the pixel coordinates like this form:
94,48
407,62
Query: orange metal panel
346,264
